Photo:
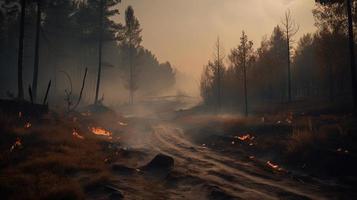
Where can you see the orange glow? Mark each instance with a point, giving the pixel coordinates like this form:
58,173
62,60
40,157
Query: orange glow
245,137
101,131
274,166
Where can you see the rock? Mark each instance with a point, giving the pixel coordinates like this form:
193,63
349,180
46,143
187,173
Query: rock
160,166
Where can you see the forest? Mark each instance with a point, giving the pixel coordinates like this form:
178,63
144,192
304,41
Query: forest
285,69
60,40
165,99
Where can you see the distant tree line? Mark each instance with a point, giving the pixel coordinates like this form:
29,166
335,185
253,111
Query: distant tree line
318,67
67,40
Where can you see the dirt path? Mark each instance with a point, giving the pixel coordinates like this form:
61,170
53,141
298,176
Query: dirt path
201,173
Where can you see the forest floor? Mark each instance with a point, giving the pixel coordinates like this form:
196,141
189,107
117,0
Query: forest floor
104,156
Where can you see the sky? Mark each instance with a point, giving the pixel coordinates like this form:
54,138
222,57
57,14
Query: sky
183,32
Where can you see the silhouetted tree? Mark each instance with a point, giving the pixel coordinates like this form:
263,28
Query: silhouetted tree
241,57
131,41
348,5
212,78
290,30
305,68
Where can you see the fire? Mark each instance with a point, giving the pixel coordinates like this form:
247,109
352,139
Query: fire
245,137
274,166
28,125
17,144
77,135
101,131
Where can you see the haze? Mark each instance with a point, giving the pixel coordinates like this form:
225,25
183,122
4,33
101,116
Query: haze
184,31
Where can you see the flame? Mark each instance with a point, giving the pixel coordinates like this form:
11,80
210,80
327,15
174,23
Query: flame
101,131
17,144
77,135
274,166
245,137
28,125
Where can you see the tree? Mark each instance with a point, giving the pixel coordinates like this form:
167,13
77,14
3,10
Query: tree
277,68
348,6
131,41
20,89
290,30
100,48
218,65
212,78
304,66
37,48
241,57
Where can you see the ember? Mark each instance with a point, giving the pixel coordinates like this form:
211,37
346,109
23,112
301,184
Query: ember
245,137
274,166
101,131
17,144
28,125
77,135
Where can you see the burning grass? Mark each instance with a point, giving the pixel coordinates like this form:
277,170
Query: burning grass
46,159
101,131
321,145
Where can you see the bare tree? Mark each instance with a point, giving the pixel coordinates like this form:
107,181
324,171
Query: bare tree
218,64
290,30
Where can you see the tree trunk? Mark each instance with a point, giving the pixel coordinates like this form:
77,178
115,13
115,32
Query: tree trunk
100,46
331,83
131,83
352,55
37,47
20,95
245,88
289,70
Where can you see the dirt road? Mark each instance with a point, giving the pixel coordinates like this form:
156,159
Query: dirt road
200,173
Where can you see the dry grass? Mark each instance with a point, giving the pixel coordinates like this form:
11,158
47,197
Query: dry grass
50,161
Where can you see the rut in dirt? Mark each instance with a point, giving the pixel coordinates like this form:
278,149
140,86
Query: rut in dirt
198,169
